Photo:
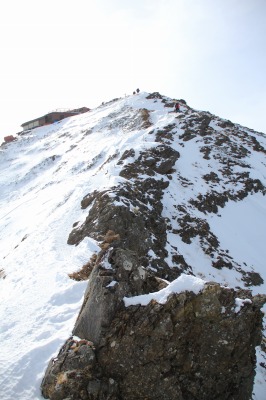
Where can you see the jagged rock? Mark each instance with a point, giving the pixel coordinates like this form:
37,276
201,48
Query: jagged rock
106,289
138,218
154,95
192,347
212,176
87,200
225,124
166,133
196,124
257,146
210,202
191,227
160,159
253,278
68,374
125,155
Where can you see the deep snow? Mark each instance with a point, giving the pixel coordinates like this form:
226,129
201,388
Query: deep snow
44,175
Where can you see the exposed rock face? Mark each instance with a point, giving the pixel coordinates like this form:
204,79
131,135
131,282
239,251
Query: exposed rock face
195,346
70,372
186,349
134,209
192,347
106,290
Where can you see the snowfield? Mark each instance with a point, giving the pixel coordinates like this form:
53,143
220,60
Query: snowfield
43,177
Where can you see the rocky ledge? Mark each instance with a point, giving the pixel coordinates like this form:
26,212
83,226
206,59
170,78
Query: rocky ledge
190,346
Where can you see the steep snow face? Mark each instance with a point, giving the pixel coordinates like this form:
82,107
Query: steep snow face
46,173
216,205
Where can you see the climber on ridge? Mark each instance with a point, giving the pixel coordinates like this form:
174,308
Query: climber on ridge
177,107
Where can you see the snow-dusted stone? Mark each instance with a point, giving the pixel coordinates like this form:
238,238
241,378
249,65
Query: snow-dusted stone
68,373
117,274
197,343
193,346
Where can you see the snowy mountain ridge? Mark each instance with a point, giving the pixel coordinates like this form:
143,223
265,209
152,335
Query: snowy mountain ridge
212,176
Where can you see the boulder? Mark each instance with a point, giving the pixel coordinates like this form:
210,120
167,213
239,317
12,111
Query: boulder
195,346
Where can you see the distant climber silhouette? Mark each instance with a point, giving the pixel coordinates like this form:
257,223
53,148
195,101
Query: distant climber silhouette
177,107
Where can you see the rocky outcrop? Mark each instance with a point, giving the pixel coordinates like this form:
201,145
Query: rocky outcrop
195,346
107,287
134,209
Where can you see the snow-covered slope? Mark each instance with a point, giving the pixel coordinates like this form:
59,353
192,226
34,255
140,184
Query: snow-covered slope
217,189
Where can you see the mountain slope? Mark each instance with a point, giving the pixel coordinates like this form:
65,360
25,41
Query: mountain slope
204,216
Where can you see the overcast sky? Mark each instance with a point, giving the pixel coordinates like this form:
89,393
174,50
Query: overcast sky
64,54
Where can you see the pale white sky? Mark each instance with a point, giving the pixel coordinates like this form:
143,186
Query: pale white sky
62,53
